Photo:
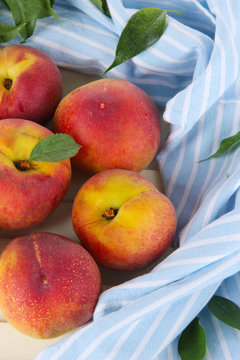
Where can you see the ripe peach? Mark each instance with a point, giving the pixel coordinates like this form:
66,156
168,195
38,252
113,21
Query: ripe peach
116,123
29,191
30,84
123,220
49,284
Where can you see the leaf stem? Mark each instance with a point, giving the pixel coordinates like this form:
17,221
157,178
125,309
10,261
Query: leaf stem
174,11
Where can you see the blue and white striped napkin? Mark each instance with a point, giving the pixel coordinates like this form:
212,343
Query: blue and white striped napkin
193,70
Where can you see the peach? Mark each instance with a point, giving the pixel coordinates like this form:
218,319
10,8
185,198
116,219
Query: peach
116,123
29,190
30,84
123,220
49,284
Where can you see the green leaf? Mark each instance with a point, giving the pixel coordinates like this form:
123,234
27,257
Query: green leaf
7,33
105,8
143,29
225,146
55,147
98,3
225,310
27,12
192,342
102,4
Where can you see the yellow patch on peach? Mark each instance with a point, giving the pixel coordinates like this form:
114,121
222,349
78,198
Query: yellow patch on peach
17,143
97,196
12,68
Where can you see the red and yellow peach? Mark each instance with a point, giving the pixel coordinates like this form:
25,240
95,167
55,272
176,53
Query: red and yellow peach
116,123
123,220
49,284
30,84
29,191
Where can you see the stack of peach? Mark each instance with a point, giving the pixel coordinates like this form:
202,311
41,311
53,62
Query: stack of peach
50,284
